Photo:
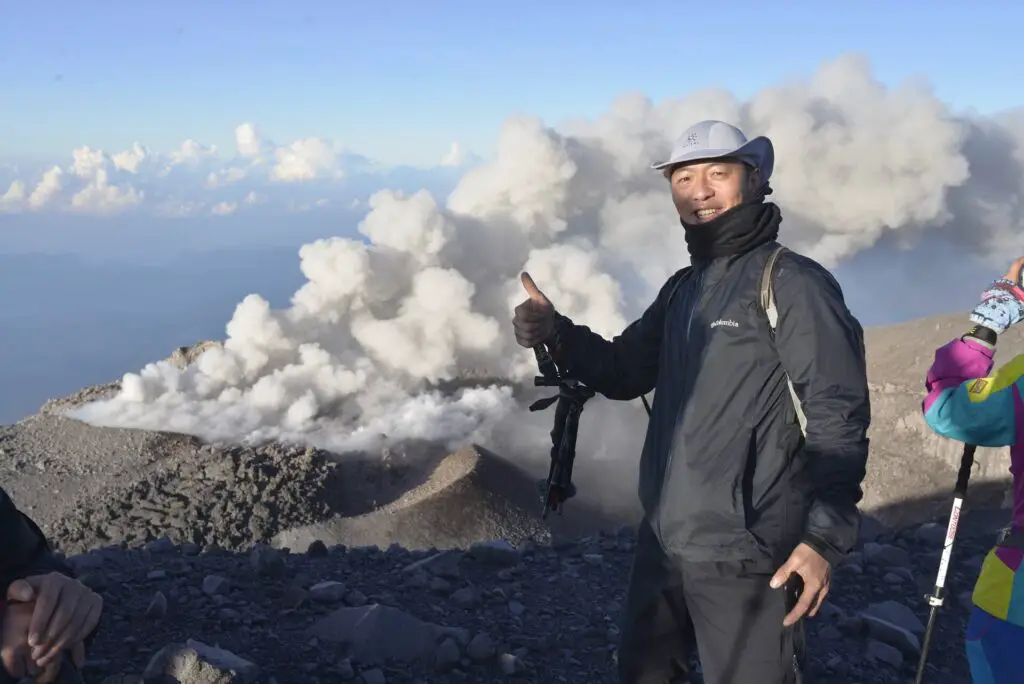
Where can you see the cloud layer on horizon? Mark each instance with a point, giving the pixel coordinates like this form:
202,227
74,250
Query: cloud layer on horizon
198,179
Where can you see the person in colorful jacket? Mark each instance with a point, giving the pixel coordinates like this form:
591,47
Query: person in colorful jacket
967,402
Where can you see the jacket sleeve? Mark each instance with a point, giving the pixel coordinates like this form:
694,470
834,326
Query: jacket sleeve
821,346
25,549
624,367
967,404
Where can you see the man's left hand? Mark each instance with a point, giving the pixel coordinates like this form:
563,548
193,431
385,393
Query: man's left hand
817,576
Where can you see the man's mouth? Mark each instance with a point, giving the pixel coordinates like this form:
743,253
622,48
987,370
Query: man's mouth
706,213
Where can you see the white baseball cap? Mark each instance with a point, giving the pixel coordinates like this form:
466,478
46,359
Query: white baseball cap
712,139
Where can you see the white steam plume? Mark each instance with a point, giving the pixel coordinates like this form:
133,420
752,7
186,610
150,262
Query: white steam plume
428,296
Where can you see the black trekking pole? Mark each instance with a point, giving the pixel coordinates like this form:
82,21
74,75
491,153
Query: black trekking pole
938,594
572,395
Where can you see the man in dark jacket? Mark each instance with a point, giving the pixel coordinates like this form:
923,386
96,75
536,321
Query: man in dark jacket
749,500
47,616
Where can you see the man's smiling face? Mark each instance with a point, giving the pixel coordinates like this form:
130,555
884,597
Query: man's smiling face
704,190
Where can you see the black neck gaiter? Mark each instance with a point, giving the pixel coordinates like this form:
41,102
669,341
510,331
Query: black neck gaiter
736,231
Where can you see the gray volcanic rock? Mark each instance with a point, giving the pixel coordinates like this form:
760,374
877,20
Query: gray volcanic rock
537,613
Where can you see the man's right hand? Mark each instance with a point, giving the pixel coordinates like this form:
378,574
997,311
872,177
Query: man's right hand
534,319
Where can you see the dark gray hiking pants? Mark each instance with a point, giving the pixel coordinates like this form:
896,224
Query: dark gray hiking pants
725,612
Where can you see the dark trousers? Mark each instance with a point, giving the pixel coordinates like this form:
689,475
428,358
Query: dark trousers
724,612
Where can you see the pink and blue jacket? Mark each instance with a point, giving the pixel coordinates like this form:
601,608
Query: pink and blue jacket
967,402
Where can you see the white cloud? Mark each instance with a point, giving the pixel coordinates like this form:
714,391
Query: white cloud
99,197
224,208
131,160
16,194
180,208
87,162
309,206
192,177
455,156
307,159
48,188
247,140
225,177
352,362
191,151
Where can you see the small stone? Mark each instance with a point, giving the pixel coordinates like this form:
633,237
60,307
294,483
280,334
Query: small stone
162,545
374,676
481,647
267,561
317,549
157,606
344,669
447,655
196,661
440,586
467,597
886,555
442,564
931,533
497,552
876,651
327,592
509,664
215,584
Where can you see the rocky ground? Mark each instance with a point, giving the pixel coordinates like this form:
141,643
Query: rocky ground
185,541
491,613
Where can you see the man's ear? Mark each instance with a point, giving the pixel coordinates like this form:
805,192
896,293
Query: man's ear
753,180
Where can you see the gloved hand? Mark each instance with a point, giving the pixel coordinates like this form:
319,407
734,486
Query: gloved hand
1002,304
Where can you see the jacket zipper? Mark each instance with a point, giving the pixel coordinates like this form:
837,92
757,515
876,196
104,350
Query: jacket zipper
694,301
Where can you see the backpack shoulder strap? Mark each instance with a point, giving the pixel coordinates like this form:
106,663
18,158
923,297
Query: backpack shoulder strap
767,292
768,306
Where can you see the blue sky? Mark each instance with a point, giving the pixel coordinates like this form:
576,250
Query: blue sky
169,239
399,81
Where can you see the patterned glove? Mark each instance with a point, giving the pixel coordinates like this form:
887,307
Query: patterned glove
1002,305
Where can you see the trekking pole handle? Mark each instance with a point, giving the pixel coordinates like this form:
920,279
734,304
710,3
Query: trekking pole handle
963,475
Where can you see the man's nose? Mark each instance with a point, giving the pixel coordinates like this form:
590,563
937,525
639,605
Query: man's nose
702,191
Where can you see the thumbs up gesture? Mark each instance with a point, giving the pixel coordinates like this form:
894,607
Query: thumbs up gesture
534,319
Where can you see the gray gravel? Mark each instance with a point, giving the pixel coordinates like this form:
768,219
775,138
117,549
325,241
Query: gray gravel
493,613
